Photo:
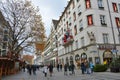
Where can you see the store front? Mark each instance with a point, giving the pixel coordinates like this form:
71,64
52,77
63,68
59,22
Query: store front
107,56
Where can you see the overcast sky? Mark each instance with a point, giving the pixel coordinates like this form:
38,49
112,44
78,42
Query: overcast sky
50,9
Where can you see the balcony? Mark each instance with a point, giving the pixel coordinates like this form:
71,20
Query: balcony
67,39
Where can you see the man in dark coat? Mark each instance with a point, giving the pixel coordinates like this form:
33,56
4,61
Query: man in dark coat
50,69
65,69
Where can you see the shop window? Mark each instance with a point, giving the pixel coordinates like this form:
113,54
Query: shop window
117,20
97,60
115,7
88,5
90,20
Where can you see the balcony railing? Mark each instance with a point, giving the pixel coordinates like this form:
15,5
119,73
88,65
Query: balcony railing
68,38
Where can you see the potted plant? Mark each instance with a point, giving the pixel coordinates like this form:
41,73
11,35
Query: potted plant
115,65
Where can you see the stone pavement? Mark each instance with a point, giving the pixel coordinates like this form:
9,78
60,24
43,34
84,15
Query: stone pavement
60,76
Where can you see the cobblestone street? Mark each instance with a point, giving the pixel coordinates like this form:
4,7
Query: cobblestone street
60,76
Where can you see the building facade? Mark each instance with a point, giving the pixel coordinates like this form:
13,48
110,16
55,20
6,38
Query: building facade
89,30
4,33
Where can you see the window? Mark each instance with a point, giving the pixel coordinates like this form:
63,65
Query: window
115,7
81,25
79,10
76,42
90,20
75,29
5,38
82,41
105,38
4,45
88,5
67,24
102,20
70,21
117,20
100,4
74,16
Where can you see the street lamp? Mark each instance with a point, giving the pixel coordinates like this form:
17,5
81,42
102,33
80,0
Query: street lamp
98,53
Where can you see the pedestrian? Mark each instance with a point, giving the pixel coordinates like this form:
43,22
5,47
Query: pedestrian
50,69
65,69
29,68
45,70
91,67
34,69
58,67
82,67
69,69
72,68
87,67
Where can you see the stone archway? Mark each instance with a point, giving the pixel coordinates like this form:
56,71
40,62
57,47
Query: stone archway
83,57
77,60
107,56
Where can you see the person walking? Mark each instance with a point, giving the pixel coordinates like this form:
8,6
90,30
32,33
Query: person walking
83,67
34,69
91,67
87,67
72,68
58,67
45,68
65,69
29,68
50,69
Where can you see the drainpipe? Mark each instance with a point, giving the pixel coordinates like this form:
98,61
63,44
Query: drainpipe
112,27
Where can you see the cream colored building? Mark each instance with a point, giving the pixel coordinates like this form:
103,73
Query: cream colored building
89,30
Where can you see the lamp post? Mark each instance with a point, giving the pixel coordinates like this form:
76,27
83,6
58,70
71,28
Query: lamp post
112,27
98,53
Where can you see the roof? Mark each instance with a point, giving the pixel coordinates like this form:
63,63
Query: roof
55,22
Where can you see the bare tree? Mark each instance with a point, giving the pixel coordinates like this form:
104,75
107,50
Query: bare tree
20,17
